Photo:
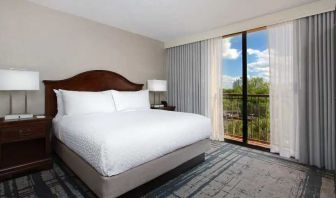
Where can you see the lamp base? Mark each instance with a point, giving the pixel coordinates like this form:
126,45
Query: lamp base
18,116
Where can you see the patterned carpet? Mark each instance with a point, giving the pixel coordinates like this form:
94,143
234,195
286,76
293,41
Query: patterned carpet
229,171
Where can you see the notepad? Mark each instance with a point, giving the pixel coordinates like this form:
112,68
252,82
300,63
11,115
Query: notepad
40,116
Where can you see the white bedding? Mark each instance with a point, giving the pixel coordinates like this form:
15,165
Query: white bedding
116,142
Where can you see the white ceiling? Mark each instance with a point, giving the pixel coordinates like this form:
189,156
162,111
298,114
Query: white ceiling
169,19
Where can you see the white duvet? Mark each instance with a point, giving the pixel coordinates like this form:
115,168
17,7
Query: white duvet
116,142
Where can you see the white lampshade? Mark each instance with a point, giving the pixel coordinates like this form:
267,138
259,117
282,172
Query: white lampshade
11,80
157,85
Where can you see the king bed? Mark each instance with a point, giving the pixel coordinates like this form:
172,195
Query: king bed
121,152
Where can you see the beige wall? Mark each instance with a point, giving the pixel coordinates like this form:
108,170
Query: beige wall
60,45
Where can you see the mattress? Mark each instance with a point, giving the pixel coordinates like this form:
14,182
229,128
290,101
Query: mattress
113,143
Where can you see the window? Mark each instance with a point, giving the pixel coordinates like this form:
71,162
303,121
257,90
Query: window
245,82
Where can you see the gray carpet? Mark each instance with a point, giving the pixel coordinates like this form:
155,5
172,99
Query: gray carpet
229,171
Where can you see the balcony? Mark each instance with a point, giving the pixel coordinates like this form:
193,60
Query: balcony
258,118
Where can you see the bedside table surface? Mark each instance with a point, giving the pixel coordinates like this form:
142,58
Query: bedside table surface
4,122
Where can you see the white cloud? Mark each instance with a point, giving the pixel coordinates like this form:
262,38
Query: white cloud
227,81
260,67
228,52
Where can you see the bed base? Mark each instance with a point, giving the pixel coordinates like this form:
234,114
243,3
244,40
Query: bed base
157,182
136,181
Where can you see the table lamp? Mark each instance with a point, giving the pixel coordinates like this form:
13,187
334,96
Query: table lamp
18,80
157,86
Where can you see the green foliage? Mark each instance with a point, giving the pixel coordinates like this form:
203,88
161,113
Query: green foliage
258,109
255,85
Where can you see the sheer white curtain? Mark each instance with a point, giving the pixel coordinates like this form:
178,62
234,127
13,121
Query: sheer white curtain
283,92
215,88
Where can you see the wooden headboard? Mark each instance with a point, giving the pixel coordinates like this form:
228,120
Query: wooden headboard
95,80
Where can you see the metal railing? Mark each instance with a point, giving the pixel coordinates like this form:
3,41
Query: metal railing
258,117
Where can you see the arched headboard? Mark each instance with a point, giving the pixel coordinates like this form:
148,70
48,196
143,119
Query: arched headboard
95,80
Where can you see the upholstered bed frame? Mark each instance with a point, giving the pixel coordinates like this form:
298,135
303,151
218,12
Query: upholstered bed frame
136,181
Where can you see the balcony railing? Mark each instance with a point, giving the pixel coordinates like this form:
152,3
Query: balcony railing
258,118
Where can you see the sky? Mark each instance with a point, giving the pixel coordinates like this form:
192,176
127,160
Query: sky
257,57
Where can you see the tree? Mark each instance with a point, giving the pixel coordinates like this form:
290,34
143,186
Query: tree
255,85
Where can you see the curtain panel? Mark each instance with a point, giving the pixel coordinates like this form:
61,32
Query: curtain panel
194,81
188,77
283,94
303,86
215,89
315,56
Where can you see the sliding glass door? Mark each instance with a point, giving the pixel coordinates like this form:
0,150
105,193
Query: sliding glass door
258,88
246,88
232,88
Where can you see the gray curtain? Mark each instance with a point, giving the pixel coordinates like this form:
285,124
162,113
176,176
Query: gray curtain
188,77
314,46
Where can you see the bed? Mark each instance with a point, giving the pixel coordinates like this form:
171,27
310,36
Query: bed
124,153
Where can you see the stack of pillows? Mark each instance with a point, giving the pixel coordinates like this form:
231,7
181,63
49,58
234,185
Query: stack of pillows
82,102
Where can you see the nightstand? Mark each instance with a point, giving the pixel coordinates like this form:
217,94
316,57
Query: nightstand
167,108
24,146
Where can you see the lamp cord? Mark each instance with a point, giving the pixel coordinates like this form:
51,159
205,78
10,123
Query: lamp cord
10,103
26,109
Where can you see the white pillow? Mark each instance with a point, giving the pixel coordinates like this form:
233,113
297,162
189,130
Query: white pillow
82,102
60,107
131,100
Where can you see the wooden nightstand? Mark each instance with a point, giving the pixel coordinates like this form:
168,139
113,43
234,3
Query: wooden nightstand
24,146
167,108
